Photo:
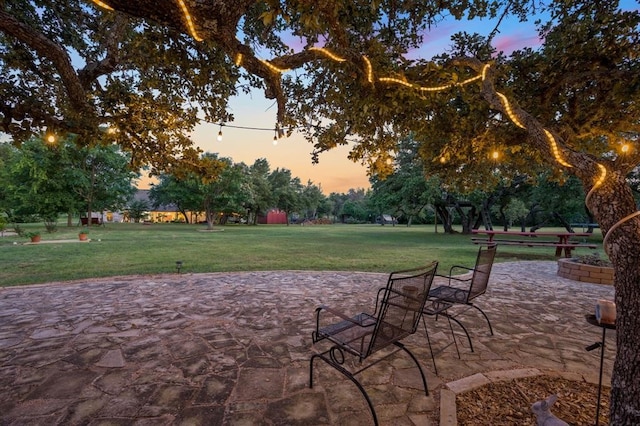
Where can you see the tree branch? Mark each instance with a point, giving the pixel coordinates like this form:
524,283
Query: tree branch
52,51
93,70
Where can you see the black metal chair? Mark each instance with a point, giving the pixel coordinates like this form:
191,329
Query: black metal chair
397,315
464,289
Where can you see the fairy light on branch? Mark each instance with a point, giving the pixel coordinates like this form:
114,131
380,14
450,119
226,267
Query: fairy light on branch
369,69
554,149
238,60
190,25
435,88
272,67
485,69
328,54
512,115
603,176
102,4
395,80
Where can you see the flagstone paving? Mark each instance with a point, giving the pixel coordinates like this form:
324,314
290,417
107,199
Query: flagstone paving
234,348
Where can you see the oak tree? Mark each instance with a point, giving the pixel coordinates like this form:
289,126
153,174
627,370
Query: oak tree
570,105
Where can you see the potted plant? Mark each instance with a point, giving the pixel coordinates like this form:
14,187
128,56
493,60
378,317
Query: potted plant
83,235
34,236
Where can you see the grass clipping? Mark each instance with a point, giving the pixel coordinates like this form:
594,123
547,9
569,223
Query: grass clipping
509,403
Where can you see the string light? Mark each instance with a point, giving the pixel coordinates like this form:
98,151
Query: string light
625,148
512,115
51,138
273,67
484,71
603,175
554,149
369,69
435,88
395,80
275,136
238,60
102,4
187,17
495,155
328,54
219,138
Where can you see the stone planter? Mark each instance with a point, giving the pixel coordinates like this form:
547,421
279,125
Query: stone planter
570,269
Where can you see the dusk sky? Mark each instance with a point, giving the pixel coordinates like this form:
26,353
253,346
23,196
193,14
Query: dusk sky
334,173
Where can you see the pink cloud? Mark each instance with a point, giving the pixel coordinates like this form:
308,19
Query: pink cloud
516,41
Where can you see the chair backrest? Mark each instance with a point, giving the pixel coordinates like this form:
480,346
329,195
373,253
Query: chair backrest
482,271
400,304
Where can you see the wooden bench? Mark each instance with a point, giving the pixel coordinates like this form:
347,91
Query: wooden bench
567,248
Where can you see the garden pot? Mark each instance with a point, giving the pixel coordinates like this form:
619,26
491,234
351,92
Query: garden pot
35,239
83,237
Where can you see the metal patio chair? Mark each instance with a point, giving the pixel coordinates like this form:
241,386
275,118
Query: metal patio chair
463,290
397,315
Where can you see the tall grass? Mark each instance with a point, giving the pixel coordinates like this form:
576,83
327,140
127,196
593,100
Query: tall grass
125,249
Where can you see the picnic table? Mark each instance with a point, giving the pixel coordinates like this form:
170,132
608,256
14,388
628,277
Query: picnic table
562,243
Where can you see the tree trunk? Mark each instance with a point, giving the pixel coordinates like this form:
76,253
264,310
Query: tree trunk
611,204
445,218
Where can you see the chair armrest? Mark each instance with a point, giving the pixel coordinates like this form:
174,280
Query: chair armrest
361,320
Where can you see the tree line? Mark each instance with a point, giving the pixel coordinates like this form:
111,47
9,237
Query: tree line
42,181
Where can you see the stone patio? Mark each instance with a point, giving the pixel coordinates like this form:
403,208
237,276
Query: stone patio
234,348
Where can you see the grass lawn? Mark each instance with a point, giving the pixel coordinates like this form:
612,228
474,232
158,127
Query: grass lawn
127,248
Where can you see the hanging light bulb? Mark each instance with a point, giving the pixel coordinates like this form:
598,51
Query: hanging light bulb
220,134
625,148
275,137
51,138
495,155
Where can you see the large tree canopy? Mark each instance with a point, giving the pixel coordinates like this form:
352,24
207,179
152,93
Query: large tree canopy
150,68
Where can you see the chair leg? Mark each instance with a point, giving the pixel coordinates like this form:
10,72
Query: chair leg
453,336
461,326
433,358
349,376
484,315
424,379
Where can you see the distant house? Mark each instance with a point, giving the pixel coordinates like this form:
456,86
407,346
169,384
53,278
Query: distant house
162,213
386,219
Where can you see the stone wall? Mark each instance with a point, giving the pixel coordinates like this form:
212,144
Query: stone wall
586,273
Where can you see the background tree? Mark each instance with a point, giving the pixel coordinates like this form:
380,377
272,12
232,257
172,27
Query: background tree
180,193
407,191
100,176
51,179
259,191
286,191
39,182
311,198
221,191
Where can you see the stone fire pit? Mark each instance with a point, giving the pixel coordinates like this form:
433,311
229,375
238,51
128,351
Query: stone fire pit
574,269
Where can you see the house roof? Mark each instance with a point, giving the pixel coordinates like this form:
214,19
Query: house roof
143,195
